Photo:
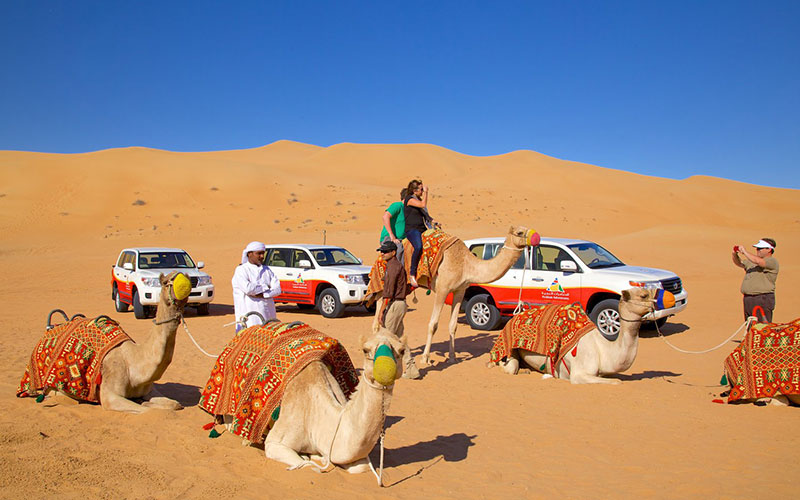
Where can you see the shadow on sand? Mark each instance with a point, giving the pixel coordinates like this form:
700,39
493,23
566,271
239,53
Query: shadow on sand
475,345
648,330
186,395
452,448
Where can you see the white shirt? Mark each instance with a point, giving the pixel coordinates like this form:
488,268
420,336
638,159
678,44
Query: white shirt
253,290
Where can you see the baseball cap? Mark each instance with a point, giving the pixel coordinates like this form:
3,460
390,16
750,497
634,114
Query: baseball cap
387,246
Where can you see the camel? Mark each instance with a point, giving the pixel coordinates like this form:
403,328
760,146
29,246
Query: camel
597,354
318,421
460,268
130,369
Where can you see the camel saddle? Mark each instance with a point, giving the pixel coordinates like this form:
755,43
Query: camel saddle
250,375
551,330
766,362
434,243
68,358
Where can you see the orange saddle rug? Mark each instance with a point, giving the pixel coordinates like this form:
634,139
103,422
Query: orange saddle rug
766,363
69,357
434,243
249,377
551,330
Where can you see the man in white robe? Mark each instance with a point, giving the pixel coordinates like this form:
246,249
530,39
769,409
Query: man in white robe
254,286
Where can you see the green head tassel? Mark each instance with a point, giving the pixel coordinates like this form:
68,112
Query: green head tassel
40,398
214,434
723,380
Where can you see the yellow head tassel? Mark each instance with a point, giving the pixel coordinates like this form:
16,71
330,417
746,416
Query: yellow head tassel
181,286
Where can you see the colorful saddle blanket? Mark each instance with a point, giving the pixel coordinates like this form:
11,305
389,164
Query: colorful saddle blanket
434,242
250,375
69,356
550,330
766,363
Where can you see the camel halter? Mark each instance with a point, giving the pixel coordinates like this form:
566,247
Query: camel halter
173,300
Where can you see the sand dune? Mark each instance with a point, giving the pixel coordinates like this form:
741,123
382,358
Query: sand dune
462,431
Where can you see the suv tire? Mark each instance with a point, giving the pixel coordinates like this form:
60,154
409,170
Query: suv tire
138,309
606,316
482,314
329,304
120,306
202,309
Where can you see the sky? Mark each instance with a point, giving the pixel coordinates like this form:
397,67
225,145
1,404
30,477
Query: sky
670,89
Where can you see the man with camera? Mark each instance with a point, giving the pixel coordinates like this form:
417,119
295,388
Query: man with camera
760,274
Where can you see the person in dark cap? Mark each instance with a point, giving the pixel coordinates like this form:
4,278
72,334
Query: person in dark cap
392,308
760,275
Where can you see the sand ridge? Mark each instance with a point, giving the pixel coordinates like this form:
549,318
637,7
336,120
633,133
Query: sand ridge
462,431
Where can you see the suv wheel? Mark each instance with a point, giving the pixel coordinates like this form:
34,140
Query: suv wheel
606,316
329,304
482,314
120,306
138,309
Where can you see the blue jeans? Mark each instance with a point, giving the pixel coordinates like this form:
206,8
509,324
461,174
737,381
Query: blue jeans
415,237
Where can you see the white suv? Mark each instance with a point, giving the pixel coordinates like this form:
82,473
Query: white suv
564,271
323,276
134,279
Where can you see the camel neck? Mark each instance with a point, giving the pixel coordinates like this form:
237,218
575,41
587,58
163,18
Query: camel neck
363,417
486,271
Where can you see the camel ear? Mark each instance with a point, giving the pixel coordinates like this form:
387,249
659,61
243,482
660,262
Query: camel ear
163,279
626,295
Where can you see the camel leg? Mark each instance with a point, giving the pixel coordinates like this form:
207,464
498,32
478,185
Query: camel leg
458,297
511,365
115,402
282,453
438,303
357,467
156,400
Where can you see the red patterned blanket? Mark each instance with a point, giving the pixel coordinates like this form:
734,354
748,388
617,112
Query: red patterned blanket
550,330
69,356
250,375
766,363
434,242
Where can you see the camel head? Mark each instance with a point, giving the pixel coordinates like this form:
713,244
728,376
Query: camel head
382,353
521,237
175,289
641,301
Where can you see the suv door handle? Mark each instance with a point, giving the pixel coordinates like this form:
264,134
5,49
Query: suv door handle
289,274
537,279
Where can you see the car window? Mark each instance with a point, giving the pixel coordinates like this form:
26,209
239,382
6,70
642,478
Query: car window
549,258
165,260
595,256
279,257
297,256
334,257
121,259
129,257
489,250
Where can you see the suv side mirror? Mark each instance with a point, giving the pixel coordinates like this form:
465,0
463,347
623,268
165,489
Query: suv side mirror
201,265
127,266
360,261
305,264
569,266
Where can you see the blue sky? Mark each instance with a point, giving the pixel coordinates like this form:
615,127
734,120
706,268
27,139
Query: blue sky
670,89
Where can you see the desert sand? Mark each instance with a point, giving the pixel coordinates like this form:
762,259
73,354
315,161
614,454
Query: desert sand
463,430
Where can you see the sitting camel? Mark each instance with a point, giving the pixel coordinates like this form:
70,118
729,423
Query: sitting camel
121,369
299,388
460,268
317,419
588,354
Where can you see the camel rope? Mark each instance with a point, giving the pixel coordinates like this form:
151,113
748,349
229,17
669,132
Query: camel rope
746,324
183,320
520,306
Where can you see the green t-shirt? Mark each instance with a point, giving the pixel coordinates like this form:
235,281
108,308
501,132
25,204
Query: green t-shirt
759,279
397,221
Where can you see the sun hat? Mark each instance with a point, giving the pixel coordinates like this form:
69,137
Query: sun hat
764,244
387,246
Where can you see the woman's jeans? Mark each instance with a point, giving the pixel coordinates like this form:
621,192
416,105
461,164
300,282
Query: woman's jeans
415,237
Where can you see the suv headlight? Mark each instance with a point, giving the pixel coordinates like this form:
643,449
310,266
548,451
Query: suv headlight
646,284
203,280
151,282
352,279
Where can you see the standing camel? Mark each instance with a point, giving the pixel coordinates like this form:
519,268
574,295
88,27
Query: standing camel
94,360
460,268
597,354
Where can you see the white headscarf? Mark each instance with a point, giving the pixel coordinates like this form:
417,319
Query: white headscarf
253,246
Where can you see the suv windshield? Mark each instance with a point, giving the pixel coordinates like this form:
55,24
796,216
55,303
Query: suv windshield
334,257
595,256
165,260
